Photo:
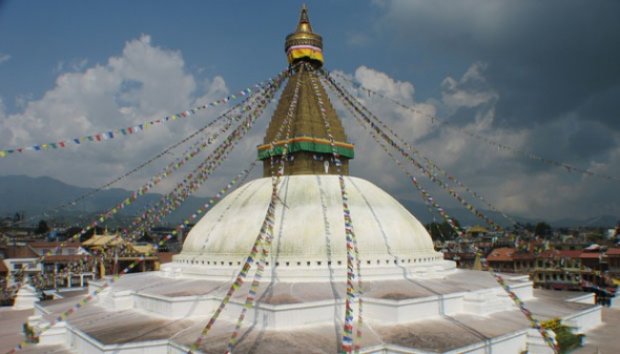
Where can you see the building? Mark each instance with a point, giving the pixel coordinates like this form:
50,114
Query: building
613,262
112,254
273,267
558,270
64,264
477,231
21,261
511,260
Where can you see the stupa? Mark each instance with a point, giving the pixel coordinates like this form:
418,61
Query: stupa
414,301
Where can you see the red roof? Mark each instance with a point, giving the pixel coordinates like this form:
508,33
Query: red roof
506,254
613,252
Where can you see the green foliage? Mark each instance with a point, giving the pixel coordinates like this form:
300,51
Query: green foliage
567,340
564,335
42,228
542,229
442,231
31,336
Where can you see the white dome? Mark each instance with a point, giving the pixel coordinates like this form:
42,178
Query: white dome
309,236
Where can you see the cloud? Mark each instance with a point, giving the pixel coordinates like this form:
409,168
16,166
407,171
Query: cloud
513,183
538,76
4,58
146,82
358,39
72,65
143,83
470,91
547,59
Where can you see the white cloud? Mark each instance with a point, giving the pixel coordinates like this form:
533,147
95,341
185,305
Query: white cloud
4,57
382,83
145,82
73,65
358,39
511,182
471,90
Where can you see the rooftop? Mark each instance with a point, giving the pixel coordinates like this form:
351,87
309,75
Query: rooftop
506,254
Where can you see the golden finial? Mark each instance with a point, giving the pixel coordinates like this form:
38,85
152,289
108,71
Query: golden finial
304,43
304,22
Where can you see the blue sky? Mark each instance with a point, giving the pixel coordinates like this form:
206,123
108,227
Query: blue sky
538,76
240,40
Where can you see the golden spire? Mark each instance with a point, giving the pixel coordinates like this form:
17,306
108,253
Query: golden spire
304,43
304,21
309,145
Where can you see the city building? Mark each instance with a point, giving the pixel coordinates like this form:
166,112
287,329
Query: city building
63,264
511,260
558,270
112,254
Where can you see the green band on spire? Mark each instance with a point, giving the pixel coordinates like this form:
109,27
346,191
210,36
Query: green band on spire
306,146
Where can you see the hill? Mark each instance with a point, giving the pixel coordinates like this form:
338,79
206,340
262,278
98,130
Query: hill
36,195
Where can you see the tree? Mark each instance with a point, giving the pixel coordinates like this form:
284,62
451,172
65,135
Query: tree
542,229
72,231
42,228
442,231
529,227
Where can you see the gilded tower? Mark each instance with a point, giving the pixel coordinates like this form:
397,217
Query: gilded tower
309,147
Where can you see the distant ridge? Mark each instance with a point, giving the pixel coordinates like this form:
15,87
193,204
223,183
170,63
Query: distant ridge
34,195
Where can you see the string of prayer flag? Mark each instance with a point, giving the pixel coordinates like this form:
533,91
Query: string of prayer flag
353,290
265,233
516,151
123,132
155,180
348,99
108,282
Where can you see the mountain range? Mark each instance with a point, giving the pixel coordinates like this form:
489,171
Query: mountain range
38,198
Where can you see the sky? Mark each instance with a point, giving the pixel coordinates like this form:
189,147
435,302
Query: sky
539,76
